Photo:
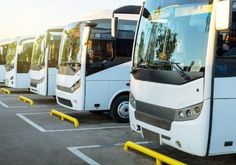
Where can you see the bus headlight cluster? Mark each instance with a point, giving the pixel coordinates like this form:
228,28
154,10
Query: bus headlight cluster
75,86
188,113
132,101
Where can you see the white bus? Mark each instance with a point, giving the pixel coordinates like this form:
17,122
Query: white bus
18,63
44,62
183,75
94,68
3,53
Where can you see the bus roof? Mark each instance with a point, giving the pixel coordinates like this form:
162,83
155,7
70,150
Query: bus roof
25,38
122,13
55,29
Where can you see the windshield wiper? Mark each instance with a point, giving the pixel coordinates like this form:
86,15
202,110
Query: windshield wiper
70,64
134,70
180,71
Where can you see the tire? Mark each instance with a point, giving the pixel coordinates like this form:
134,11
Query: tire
120,109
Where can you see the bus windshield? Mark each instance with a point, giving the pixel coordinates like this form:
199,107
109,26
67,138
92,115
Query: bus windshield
173,36
24,57
38,53
70,54
11,51
3,52
53,44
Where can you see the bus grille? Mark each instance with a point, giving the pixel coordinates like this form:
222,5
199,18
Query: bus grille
65,101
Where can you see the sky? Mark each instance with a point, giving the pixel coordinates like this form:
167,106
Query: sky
32,17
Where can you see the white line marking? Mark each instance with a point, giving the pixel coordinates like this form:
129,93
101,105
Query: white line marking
145,142
7,98
31,123
77,152
108,145
83,156
27,107
35,113
44,113
86,129
41,129
4,105
92,146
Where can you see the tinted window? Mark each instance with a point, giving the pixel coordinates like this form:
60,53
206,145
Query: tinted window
54,45
100,50
37,60
11,51
24,58
101,53
226,51
3,52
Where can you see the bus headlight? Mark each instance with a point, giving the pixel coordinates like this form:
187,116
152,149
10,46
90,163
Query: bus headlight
132,100
75,86
188,113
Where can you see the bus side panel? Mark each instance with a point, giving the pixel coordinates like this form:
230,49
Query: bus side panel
96,95
51,85
10,78
2,73
223,137
22,80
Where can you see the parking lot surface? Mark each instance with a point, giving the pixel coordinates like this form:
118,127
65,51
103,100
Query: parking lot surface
29,135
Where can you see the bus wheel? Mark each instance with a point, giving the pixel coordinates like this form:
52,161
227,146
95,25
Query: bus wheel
120,109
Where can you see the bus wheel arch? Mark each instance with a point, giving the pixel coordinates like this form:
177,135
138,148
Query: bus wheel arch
119,107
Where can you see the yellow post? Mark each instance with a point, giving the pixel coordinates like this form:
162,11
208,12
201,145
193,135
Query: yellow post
65,116
5,91
160,158
26,100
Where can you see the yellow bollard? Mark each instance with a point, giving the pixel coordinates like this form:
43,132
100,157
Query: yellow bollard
26,100
160,158
65,116
5,91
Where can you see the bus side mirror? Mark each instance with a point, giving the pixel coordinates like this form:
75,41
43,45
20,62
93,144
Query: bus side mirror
114,27
223,15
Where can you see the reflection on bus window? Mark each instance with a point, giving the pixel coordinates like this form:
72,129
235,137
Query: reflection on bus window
226,52
176,34
101,53
11,51
71,47
3,53
54,45
24,58
100,50
38,53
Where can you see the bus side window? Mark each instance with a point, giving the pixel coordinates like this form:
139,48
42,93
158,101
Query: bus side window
124,42
53,53
225,63
99,55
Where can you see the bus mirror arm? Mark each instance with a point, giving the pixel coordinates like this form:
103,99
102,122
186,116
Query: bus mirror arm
114,27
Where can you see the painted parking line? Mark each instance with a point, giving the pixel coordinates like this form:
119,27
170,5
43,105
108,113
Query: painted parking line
35,106
87,159
3,104
83,156
88,129
41,129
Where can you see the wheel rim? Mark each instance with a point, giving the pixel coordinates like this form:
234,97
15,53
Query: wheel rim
123,109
